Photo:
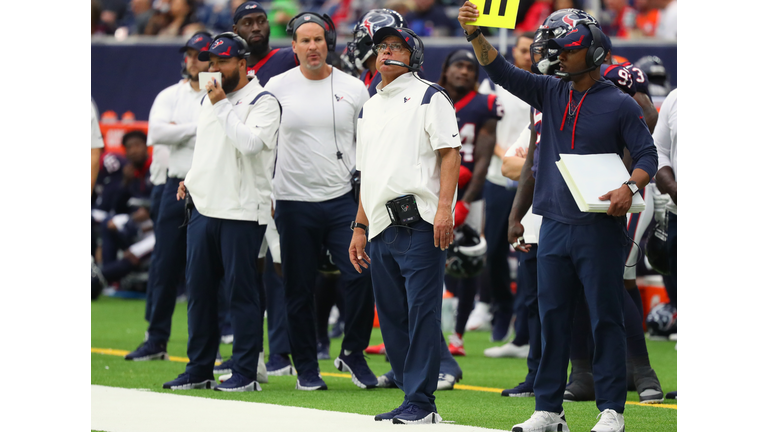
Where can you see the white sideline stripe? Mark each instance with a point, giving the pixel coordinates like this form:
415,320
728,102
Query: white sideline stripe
115,409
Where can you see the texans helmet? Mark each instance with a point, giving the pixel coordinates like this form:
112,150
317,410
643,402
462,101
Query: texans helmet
656,249
662,320
619,76
544,59
466,256
658,81
326,264
361,46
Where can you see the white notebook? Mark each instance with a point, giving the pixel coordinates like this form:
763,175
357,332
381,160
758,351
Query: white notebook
592,176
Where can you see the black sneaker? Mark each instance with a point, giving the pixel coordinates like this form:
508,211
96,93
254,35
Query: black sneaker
415,415
648,387
310,381
355,364
279,365
148,351
390,415
188,382
672,395
524,389
223,368
238,383
581,388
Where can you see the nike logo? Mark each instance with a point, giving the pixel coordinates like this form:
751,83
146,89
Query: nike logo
454,135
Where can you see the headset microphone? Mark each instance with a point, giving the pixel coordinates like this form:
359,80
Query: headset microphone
401,64
561,74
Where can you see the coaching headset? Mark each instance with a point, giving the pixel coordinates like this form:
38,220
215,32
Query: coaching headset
323,21
184,73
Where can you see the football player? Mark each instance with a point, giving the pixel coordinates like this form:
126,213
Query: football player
264,62
477,115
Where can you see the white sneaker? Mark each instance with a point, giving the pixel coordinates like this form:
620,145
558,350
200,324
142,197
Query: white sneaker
480,318
610,421
508,350
261,370
446,382
543,421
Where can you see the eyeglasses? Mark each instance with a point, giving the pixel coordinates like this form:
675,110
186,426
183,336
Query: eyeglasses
395,47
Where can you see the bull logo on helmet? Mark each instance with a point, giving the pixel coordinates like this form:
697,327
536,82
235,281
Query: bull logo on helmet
570,21
217,43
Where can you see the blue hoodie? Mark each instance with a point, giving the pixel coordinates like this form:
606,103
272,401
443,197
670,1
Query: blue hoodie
603,120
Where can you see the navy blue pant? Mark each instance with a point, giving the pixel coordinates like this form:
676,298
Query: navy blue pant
527,288
408,272
498,204
223,249
304,227
277,317
168,260
576,260
154,210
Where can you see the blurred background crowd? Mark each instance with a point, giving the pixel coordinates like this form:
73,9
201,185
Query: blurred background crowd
622,19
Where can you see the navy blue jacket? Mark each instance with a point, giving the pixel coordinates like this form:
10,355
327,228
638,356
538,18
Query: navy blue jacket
607,121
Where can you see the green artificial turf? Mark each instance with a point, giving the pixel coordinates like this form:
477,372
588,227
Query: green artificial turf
119,324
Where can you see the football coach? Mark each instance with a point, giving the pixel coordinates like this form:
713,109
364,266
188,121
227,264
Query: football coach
408,153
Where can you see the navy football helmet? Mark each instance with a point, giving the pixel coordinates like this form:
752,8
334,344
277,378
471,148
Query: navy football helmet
361,46
557,24
662,320
656,249
658,82
466,256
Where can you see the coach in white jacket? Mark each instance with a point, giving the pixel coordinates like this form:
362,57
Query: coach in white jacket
408,144
230,184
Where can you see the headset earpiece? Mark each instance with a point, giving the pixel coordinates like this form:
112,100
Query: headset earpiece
243,50
323,20
596,52
417,56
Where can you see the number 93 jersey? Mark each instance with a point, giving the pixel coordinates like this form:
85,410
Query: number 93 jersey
639,77
619,76
472,111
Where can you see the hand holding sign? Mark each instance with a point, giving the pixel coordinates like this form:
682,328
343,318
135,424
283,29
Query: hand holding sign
496,13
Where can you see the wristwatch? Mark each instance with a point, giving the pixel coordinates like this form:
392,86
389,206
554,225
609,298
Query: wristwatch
632,186
473,36
358,225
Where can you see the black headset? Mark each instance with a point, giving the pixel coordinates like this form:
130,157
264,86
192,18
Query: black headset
184,73
596,52
417,56
242,50
323,21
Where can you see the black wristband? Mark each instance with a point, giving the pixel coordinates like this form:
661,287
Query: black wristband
358,225
473,36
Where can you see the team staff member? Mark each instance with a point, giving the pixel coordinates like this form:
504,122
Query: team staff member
264,62
576,248
361,45
172,122
315,200
230,185
409,144
97,143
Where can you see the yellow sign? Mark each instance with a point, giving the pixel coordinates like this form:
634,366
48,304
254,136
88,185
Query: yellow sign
496,13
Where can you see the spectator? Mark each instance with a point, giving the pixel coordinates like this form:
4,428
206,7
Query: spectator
181,13
403,7
667,28
647,19
536,14
621,18
112,13
429,19
142,13
564,4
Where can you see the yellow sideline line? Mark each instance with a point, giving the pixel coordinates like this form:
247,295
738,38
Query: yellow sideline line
122,353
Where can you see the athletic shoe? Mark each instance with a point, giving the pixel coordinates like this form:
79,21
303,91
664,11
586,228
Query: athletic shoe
376,349
446,381
188,382
543,421
225,377
648,387
672,395
323,351
279,365
238,383
480,318
355,364
508,350
224,368
261,370
456,345
310,381
390,415
610,421
581,388
148,351
387,380
412,414
524,389
227,335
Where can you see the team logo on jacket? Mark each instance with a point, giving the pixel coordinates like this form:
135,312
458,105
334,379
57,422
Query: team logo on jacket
405,99
338,98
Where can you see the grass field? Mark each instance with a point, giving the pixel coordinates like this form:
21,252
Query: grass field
118,324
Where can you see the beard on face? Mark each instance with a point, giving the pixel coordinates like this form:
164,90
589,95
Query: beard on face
229,83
